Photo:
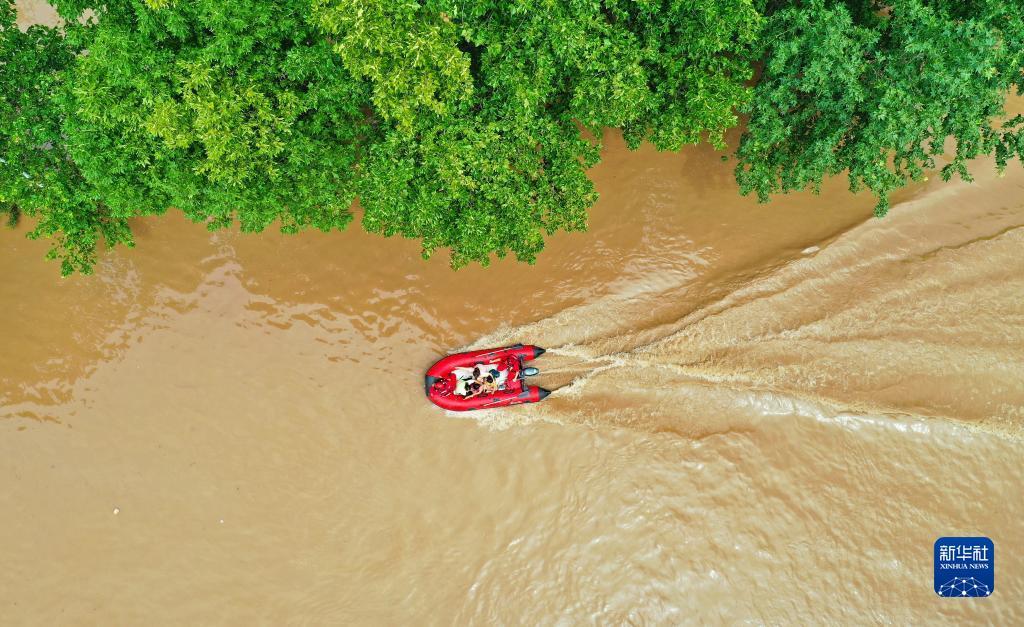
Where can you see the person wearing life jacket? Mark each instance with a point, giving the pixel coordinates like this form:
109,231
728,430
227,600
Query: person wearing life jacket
468,389
491,378
467,381
482,379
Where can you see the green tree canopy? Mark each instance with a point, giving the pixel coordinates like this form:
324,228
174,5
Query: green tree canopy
226,110
876,88
470,124
38,177
481,104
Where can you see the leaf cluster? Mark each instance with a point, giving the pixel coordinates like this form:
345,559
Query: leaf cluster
229,111
878,89
38,177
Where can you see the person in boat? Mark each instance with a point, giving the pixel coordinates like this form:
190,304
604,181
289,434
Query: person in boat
464,378
487,385
485,373
491,378
482,387
472,388
465,373
464,385
481,380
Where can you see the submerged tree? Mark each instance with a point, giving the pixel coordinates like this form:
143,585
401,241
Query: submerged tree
481,103
876,89
465,123
38,176
230,111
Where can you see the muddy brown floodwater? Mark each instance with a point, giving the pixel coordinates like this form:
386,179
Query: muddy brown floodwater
762,413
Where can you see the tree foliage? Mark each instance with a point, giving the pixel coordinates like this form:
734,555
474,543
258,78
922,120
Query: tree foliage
470,124
38,177
481,103
876,88
226,110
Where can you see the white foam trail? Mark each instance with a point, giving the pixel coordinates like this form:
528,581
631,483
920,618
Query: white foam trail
840,331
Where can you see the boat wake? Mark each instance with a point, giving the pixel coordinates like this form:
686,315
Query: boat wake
912,317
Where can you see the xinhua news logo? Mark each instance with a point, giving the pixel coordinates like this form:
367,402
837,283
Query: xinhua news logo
964,567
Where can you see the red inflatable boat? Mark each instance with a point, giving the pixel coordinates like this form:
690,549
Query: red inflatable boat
450,382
